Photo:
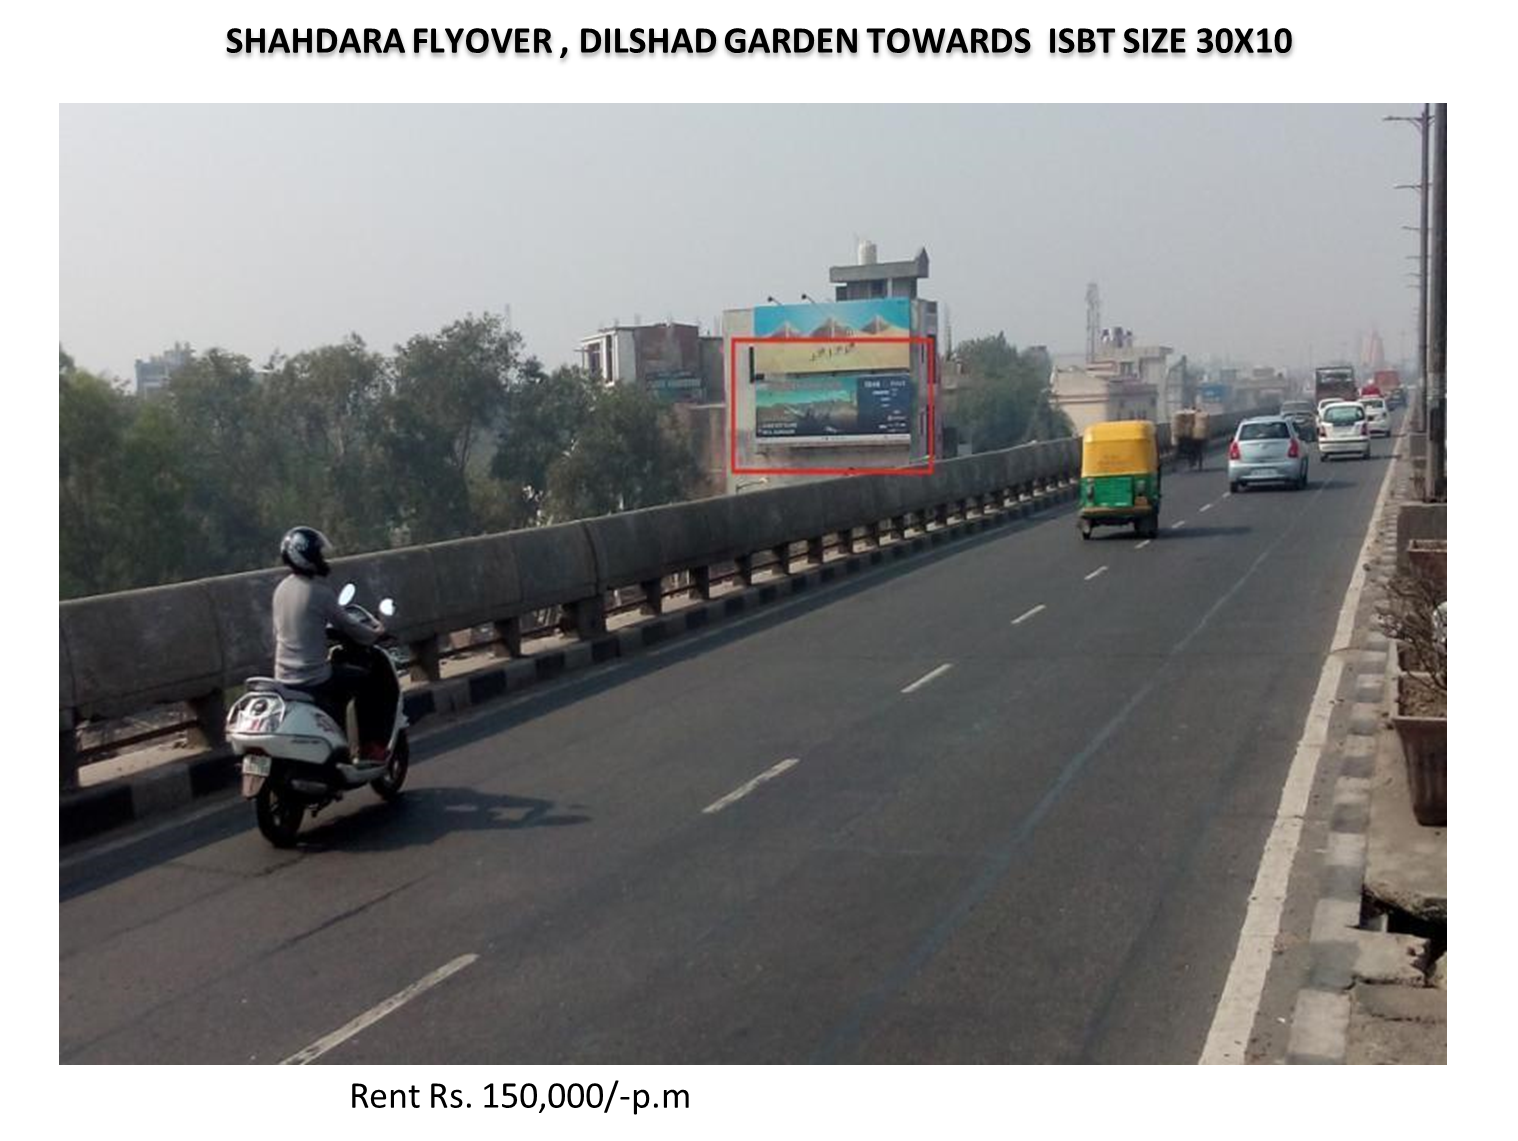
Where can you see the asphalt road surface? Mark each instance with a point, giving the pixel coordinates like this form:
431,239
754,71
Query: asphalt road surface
1002,803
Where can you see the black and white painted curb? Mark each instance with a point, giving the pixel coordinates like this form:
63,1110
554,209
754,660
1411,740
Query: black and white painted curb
1343,949
99,808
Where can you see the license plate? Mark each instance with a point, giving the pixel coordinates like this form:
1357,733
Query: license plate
256,766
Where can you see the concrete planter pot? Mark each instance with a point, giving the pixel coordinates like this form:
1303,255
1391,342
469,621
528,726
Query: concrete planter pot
1430,556
1424,749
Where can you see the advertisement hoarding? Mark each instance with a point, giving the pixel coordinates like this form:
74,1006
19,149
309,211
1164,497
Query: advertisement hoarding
813,325
665,351
858,405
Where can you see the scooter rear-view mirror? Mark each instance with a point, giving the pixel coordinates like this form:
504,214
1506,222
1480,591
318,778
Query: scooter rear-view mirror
387,607
345,595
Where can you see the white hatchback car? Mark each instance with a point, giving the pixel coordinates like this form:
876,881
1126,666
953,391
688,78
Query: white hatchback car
1376,415
1344,430
1266,449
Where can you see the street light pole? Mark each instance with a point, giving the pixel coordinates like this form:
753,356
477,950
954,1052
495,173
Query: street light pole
1420,410
1436,401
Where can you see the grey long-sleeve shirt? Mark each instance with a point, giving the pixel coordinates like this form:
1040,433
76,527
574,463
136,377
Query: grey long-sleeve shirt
302,609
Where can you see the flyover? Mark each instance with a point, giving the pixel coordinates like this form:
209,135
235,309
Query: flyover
1002,803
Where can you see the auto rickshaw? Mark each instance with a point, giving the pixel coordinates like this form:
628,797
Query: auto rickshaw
1120,477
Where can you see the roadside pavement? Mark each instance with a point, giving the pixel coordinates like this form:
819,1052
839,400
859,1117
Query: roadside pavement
1376,991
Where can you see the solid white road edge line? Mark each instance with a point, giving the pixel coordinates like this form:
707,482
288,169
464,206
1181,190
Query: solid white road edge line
1233,1021
373,1015
1097,571
1021,618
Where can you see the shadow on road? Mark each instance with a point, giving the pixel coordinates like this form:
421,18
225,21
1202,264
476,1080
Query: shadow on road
425,815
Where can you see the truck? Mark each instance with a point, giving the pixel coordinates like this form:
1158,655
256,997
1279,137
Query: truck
1334,382
1389,382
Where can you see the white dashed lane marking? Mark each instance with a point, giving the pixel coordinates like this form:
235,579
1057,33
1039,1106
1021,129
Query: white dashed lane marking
744,789
1021,618
1097,571
929,676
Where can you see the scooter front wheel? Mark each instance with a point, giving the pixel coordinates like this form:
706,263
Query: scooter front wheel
279,811
388,784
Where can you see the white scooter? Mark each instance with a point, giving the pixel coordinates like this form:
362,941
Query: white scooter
295,757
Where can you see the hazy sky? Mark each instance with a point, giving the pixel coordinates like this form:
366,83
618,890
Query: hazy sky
1251,231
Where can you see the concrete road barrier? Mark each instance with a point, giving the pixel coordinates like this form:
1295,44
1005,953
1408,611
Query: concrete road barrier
121,653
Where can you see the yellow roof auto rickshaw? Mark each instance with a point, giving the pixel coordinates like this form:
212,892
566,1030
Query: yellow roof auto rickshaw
1120,477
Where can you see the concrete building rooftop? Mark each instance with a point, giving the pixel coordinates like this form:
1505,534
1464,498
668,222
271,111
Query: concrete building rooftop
881,271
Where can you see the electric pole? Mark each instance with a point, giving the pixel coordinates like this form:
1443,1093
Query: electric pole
1438,249
1420,410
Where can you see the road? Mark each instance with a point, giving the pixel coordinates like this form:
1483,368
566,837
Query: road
1002,803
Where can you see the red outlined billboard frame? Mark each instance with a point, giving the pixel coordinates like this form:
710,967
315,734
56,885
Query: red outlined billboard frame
930,350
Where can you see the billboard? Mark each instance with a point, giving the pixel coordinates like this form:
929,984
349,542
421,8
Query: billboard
668,350
872,405
810,327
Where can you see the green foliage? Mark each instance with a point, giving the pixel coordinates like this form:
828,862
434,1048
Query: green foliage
319,418
544,415
631,453
452,384
93,419
1007,399
455,434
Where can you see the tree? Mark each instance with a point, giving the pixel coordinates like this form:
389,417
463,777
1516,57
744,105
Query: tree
543,415
321,420
157,536
457,379
454,435
427,497
447,395
631,453
92,418
1008,402
218,411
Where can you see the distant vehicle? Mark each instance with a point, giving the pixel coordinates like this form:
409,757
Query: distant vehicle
1335,382
1377,415
1188,435
1396,398
1343,431
1266,449
1303,417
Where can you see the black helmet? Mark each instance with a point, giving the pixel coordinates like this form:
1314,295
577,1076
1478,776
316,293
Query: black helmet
305,551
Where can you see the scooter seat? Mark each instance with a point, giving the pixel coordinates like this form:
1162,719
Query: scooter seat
269,685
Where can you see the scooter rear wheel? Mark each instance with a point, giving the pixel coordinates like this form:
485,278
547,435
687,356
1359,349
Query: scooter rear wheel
388,784
279,811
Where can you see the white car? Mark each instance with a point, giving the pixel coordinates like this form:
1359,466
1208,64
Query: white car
1344,430
1377,415
1266,449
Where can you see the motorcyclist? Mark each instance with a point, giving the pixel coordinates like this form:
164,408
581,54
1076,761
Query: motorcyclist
304,606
